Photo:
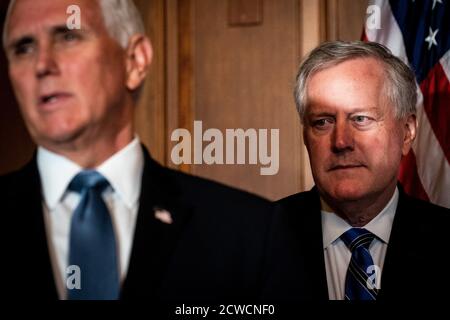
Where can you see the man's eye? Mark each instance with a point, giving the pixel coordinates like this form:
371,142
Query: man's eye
361,120
322,123
69,37
22,49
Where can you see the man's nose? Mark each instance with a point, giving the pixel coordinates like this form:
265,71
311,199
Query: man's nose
342,139
46,63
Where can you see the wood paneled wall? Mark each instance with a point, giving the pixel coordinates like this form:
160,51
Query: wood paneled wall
151,112
344,19
243,78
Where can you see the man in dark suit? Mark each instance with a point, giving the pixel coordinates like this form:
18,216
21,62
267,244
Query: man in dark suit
356,234
92,216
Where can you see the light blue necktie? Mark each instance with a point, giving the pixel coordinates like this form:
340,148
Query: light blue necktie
92,242
359,284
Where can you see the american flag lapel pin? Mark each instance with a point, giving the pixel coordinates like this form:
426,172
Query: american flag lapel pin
163,215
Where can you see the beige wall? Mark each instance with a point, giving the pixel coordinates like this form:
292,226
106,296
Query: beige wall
243,79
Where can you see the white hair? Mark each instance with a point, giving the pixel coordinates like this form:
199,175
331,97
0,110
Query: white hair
121,18
400,84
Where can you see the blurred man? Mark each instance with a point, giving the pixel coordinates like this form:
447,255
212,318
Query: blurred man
363,237
92,216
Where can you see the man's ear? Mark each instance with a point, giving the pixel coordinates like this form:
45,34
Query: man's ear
139,55
410,129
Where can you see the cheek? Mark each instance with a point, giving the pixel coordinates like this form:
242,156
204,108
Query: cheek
317,145
318,150
24,86
101,81
394,152
114,75
22,83
86,81
383,151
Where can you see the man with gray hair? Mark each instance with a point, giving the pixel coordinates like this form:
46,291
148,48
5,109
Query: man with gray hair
356,234
92,216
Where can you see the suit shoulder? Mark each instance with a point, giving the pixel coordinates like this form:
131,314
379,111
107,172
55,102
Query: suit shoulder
294,199
194,186
4,178
428,209
10,180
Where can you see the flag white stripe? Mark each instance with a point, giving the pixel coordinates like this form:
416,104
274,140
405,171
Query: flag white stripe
432,165
445,63
392,38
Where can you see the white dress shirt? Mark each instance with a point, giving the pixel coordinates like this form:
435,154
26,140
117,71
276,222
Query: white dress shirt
337,255
124,173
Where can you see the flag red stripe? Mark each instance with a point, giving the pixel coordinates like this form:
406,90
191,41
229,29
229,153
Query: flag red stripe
436,101
364,36
409,177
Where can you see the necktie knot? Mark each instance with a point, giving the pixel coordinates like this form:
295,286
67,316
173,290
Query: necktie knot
88,179
355,238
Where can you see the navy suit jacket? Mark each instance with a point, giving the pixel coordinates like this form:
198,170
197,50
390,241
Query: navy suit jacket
415,265
212,252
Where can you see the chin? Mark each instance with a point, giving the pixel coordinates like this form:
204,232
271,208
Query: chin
348,195
347,190
58,135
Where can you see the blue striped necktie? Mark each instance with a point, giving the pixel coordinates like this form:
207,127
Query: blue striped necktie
359,282
92,242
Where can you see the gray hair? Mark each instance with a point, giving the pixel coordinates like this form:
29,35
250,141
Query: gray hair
400,86
121,18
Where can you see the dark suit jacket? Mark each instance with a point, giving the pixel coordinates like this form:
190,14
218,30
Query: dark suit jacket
213,251
414,268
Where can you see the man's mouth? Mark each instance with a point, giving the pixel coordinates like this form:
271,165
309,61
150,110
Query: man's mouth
346,167
50,99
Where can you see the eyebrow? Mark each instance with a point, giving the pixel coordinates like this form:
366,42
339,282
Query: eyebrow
328,113
59,29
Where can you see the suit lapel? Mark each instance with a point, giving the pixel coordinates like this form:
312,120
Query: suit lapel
313,235
302,242
402,259
154,240
27,199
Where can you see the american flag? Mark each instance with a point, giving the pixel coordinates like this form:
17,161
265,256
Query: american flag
418,31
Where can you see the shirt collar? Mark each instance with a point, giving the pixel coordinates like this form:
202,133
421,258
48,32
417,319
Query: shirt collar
123,171
56,172
334,226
